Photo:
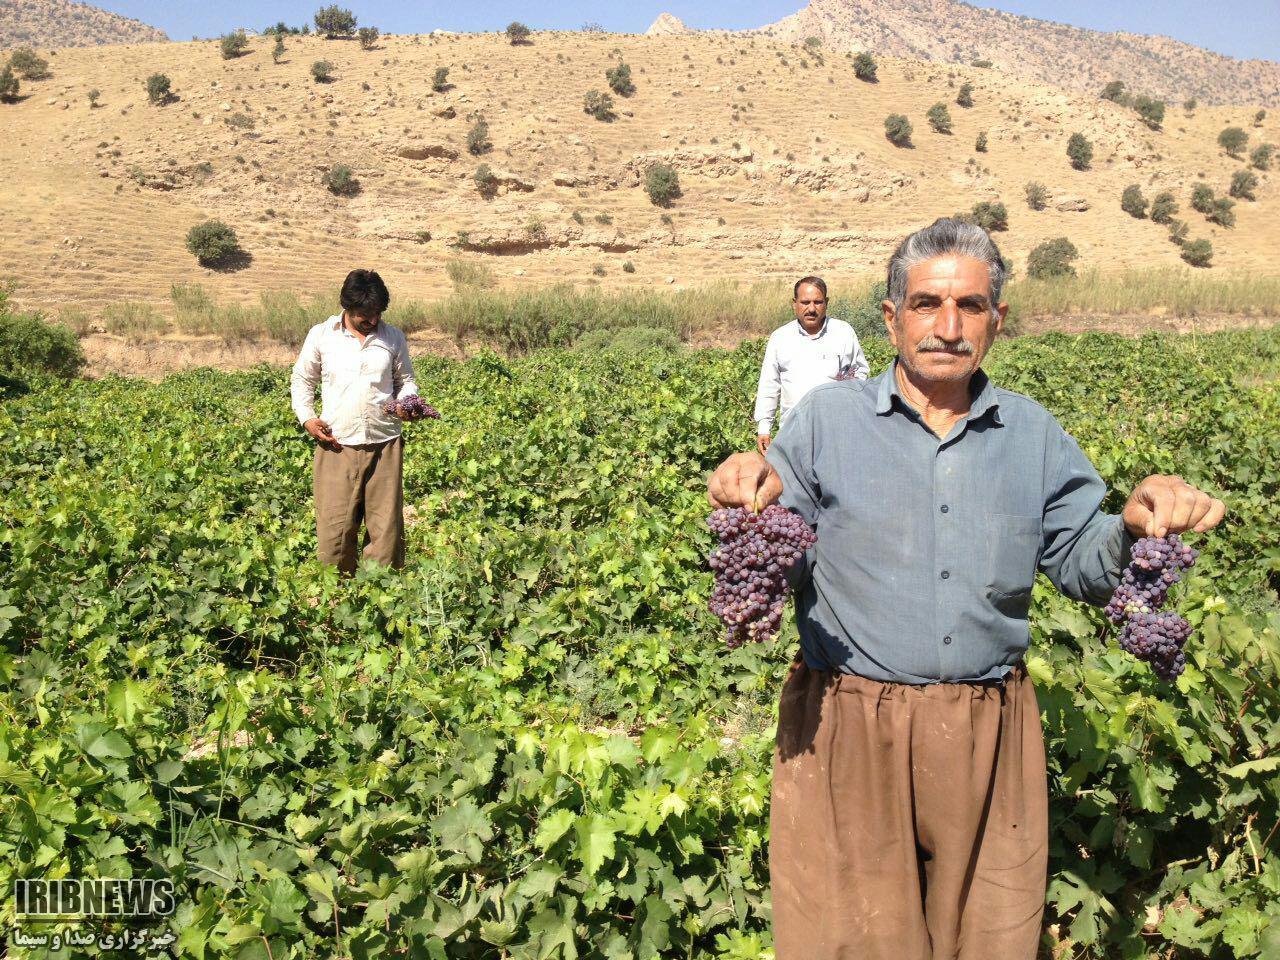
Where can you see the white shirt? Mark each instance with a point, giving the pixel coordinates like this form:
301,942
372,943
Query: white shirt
796,362
356,379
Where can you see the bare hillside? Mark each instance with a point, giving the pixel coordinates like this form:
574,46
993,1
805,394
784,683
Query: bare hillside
781,155
59,23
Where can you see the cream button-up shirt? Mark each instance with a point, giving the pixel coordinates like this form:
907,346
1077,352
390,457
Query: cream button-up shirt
356,380
795,362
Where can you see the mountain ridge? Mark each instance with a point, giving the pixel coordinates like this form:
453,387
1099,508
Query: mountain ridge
64,23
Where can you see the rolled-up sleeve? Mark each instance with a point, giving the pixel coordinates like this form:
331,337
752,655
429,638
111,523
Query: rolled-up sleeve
1084,550
306,374
791,455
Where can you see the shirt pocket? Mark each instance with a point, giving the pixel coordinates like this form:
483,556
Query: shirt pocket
1013,549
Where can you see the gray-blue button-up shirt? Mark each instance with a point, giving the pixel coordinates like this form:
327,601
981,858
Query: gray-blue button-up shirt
927,548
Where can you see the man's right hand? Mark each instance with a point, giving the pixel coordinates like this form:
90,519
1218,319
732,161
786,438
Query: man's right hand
320,430
762,443
744,480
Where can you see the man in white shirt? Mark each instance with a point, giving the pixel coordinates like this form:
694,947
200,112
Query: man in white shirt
813,350
360,364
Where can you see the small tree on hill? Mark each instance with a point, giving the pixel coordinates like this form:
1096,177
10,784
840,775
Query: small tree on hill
233,45
1222,213
1190,105
486,181
1113,91
1151,111
898,129
599,105
517,33
864,67
619,78
278,50
1133,202
980,144
965,97
212,242
440,82
1201,198
939,118
28,64
335,21
1243,183
1260,159
368,37
990,216
341,180
1037,195
158,89
1163,207
1178,232
478,138
322,71
1079,151
1232,140
1051,259
1259,117
8,85
1198,253
94,95
662,184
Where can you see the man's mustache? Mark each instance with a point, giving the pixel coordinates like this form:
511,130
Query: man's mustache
932,344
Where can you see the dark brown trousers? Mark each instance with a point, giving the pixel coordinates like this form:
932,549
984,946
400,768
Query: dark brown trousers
354,485
908,822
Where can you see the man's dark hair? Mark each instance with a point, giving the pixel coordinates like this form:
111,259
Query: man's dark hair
363,292
816,281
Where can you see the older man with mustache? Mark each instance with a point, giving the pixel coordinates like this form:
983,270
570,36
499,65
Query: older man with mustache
910,803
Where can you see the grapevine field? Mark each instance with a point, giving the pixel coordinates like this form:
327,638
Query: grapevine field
533,741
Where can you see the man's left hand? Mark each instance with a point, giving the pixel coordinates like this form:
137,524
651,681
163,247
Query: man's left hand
1160,506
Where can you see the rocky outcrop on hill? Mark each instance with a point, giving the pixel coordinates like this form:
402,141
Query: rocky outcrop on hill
665,25
60,23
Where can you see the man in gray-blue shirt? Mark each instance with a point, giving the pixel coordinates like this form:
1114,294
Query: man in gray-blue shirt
910,802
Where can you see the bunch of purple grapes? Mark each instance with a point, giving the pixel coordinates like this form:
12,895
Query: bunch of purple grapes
756,550
412,407
1157,637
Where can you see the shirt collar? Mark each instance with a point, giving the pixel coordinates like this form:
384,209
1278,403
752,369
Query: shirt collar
980,389
826,324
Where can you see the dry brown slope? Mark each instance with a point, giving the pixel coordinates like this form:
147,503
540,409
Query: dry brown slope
789,174
59,23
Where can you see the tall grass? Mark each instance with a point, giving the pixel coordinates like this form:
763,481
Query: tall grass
1172,290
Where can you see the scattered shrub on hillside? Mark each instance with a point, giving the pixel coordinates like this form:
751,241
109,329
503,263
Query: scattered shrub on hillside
662,184
1151,111
939,118
965,97
898,129
478,138
440,82
240,121
28,64
1260,159
603,218
864,67
341,180
1259,117
980,144
368,37
1243,183
1163,207
335,21
592,27
30,345
989,215
1178,231
1198,253
422,236
8,85
630,340
212,242
619,78
1052,258
486,181
599,105
278,50
1079,151
1201,198
1037,195
982,64
233,45
1190,105
322,71
1133,202
1222,213
628,266
598,270
158,89
94,96
1233,140
1113,91
518,33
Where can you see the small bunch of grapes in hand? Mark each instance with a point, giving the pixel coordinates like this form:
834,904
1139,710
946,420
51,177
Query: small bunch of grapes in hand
1149,633
412,407
756,550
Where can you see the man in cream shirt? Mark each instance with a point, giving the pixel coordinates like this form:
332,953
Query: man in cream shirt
813,350
360,363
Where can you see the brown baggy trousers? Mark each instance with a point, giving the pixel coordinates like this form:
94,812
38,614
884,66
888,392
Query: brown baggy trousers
354,484
908,822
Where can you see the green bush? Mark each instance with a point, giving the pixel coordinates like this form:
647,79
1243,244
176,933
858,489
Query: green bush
158,88
619,78
965,96
486,181
517,33
1053,258
1079,151
335,21
1133,202
1151,111
864,67
1179,230
233,45
94,96
1201,198
630,340
662,184
1259,117
1222,212
1037,195
322,71
598,105
9,85
368,37
1190,105
939,118
990,216
628,266
478,138
30,346
1163,207
1260,159
341,180
864,313
440,82
278,50
1243,183
212,242
980,143
897,129
1113,91
1233,140
30,66
982,64
1198,253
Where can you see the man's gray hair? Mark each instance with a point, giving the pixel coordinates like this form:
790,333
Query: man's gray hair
944,237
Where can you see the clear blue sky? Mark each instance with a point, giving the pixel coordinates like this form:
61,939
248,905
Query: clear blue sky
1239,28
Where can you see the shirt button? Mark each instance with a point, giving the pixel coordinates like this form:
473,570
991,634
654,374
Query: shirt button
945,508
946,574
946,640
